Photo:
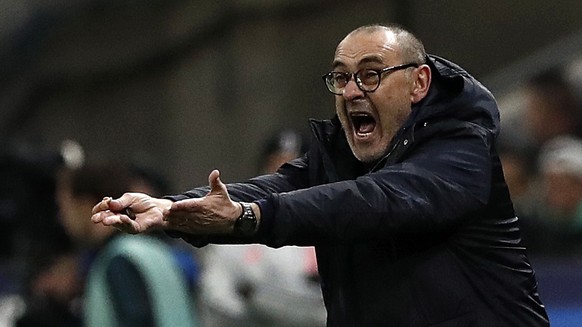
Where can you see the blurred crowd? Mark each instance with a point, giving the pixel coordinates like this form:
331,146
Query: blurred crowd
51,250
541,151
55,264
57,268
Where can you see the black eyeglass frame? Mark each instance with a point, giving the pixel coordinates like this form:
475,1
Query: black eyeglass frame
327,77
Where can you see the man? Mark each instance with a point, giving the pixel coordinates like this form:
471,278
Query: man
402,193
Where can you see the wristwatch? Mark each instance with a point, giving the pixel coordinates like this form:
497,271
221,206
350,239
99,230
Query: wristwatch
246,223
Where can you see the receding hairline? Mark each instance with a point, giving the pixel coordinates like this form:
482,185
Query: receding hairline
411,47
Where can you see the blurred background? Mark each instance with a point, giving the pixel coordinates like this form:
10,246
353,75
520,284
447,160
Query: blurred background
184,87
196,85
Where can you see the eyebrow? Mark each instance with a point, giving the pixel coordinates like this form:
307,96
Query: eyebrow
368,59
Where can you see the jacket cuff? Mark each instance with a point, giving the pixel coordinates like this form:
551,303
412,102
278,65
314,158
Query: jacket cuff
267,213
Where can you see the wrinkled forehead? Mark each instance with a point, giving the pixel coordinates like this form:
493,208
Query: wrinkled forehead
364,46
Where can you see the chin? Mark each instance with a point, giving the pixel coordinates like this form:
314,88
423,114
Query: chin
367,157
363,153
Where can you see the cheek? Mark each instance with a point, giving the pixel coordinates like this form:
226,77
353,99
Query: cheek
341,111
393,112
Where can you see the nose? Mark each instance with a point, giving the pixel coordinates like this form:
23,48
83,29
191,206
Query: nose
352,91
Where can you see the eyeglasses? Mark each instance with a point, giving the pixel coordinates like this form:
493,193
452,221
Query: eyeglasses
368,80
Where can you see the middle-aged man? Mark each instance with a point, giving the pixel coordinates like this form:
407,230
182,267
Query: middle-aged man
402,194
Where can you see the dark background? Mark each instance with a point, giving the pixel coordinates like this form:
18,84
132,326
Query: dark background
188,86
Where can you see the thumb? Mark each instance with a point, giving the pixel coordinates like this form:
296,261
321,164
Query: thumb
216,185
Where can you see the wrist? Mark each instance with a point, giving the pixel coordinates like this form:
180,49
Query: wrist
164,206
247,222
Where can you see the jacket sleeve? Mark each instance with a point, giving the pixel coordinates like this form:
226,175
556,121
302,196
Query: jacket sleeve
442,181
291,176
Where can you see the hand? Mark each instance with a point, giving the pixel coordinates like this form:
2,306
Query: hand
215,213
148,212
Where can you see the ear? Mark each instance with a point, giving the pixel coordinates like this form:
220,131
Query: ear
421,83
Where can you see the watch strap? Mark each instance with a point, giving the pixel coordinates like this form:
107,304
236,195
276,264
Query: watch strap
246,223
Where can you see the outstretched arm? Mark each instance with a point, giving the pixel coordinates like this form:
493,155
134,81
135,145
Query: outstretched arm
213,214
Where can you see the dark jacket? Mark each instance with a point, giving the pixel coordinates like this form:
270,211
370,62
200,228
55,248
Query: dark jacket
427,237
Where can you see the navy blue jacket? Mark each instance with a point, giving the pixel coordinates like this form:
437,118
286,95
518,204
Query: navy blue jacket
426,237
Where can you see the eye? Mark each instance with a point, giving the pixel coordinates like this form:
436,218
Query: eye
340,79
368,76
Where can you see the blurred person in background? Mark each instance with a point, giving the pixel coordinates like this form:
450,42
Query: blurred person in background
28,211
551,109
555,226
254,285
35,251
122,286
401,193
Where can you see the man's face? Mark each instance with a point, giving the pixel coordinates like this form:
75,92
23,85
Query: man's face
370,120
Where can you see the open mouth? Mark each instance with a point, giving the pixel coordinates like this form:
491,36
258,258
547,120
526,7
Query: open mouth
363,123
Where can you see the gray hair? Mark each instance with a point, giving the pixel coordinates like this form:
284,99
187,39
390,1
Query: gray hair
411,47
